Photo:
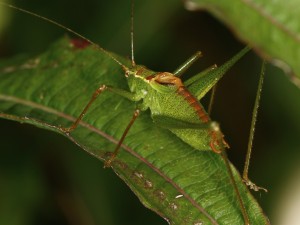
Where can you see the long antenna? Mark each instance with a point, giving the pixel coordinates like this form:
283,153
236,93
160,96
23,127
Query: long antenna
131,34
68,29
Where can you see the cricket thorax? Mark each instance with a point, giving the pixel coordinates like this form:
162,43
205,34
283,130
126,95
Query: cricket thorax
168,79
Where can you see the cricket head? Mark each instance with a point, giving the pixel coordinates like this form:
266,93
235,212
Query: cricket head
141,79
138,72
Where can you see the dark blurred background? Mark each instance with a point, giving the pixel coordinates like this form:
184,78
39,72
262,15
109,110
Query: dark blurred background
45,179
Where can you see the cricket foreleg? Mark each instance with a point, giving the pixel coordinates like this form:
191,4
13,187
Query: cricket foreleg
115,152
251,136
101,89
93,98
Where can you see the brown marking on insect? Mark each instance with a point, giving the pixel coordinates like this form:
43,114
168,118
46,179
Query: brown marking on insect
168,79
150,77
140,71
193,103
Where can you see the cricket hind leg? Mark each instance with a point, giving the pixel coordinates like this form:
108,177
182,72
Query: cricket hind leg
219,145
246,179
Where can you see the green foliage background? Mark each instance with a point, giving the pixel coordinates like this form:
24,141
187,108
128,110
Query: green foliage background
37,167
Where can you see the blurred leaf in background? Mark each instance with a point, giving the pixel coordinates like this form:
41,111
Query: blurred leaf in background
37,166
270,27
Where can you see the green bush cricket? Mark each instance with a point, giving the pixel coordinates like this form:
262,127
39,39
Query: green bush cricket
172,103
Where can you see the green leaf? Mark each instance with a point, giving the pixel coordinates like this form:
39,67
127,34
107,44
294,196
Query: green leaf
181,184
271,27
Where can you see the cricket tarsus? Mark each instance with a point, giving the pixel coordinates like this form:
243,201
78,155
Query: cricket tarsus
251,135
252,185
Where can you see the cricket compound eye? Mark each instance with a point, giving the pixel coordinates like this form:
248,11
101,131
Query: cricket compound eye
127,73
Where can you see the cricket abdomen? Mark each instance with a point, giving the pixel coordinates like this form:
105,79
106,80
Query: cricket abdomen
193,103
169,79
